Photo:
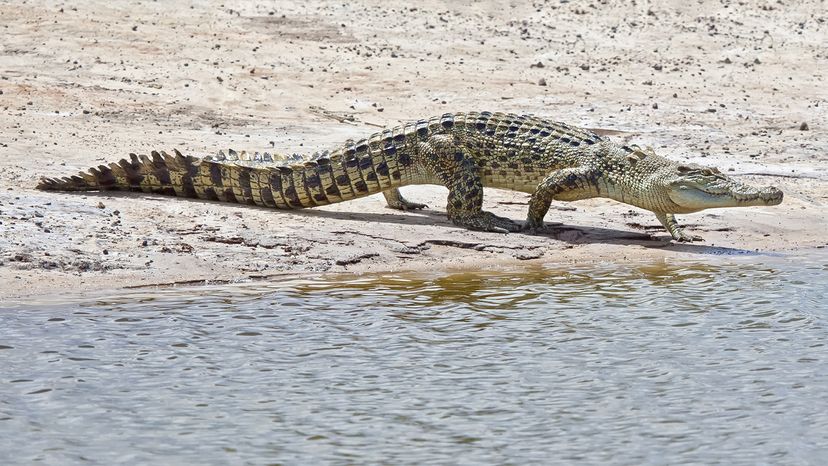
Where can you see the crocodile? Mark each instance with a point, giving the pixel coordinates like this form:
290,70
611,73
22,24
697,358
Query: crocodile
464,152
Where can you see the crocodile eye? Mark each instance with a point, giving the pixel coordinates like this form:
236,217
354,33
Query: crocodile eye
684,169
707,172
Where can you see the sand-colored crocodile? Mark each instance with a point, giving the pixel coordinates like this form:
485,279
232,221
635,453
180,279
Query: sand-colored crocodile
464,152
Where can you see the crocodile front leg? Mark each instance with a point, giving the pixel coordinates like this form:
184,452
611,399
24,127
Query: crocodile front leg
568,184
678,234
458,171
395,200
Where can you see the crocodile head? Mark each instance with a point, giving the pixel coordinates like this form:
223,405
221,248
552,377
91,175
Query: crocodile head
694,187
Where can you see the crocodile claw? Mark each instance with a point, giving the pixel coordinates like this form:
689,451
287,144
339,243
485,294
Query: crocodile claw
407,205
686,238
487,221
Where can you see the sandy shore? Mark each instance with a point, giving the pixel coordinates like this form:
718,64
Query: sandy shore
741,88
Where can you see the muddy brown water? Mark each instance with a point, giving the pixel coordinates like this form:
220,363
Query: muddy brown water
704,362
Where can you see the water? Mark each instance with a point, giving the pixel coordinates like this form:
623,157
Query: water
704,363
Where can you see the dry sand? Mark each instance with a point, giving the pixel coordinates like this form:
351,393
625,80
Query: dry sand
740,86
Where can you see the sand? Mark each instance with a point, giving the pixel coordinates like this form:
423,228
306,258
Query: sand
740,86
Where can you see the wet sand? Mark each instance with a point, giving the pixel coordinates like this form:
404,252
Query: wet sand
740,88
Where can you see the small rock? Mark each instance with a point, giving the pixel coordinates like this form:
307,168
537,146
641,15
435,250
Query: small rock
804,127
541,82
585,67
657,67
101,205
537,65
655,106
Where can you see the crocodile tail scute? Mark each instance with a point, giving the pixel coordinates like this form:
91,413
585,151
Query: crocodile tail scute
296,186
138,173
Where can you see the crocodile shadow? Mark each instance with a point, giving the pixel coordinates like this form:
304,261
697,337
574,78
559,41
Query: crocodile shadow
570,234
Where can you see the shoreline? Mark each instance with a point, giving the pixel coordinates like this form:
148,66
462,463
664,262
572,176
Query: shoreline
107,79
338,245
264,283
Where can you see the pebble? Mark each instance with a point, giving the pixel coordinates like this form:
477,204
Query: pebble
541,82
804,127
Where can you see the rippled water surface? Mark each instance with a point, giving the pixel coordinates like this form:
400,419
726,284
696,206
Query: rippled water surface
702,362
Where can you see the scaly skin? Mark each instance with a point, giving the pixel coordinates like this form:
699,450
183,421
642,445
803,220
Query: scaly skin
464,152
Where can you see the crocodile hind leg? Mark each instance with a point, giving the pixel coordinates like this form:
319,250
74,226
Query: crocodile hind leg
395,200
677,232
568,184
458,171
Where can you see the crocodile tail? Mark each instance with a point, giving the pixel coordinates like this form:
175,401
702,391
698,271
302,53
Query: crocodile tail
312,183
138,173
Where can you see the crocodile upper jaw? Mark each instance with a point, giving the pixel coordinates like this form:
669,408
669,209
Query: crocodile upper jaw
698,199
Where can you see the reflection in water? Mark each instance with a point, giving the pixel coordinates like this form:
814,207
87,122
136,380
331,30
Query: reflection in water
656,363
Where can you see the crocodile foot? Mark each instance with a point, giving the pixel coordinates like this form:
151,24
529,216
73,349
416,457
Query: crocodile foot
486,221
532,226
395,200
405,205
683,237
